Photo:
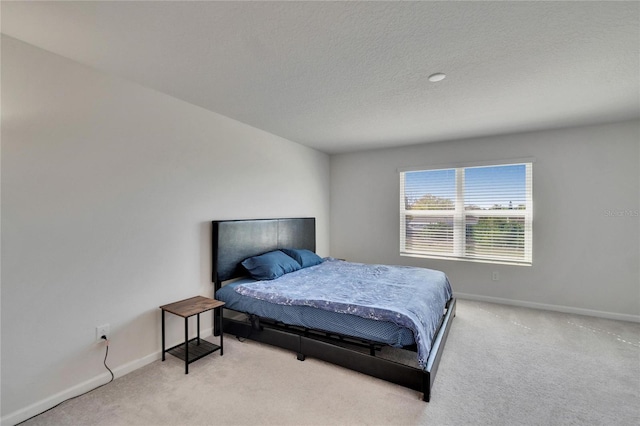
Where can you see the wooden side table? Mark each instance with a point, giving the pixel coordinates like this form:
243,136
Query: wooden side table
196,348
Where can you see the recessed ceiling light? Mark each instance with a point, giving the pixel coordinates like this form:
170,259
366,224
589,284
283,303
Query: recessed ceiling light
437,77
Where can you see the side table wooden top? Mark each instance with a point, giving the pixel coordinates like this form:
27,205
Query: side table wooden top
192,306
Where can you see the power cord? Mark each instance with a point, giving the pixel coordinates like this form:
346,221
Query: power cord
106,354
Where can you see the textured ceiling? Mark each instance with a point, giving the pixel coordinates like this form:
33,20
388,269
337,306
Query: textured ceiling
346,76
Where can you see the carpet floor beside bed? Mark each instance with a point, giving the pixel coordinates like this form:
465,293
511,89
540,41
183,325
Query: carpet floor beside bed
502,365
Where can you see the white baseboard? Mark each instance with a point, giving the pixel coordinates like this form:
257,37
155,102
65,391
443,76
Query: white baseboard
86,386
547,307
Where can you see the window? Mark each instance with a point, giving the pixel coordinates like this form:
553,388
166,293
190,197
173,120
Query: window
471,213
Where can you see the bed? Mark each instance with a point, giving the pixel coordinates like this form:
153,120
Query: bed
349,334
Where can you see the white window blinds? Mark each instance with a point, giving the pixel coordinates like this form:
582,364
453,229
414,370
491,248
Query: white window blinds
474,213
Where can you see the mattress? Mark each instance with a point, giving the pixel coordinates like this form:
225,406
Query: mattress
384,332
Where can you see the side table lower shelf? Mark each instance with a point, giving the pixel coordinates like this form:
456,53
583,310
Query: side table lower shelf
196,350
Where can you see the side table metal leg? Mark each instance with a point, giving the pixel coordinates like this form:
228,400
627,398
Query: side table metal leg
163,346
186,345
221,332
198,330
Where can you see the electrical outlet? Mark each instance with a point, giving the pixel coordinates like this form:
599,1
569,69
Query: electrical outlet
102,330
495,276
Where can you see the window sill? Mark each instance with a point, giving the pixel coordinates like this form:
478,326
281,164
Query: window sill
467,259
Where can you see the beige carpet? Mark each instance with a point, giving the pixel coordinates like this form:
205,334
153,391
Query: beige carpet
501,366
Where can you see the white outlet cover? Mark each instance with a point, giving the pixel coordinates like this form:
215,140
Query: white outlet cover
102,330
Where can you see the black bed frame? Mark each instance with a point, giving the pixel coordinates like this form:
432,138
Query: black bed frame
235,240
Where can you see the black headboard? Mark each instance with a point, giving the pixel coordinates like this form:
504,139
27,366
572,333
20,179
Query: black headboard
235,240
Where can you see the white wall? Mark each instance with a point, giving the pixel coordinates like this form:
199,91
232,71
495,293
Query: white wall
108,190
585,256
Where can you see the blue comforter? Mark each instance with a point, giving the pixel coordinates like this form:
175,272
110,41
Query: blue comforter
410,297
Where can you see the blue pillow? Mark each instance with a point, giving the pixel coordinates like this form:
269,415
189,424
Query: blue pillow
304,257
270,265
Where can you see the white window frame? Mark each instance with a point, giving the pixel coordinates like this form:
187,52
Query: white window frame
459,215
